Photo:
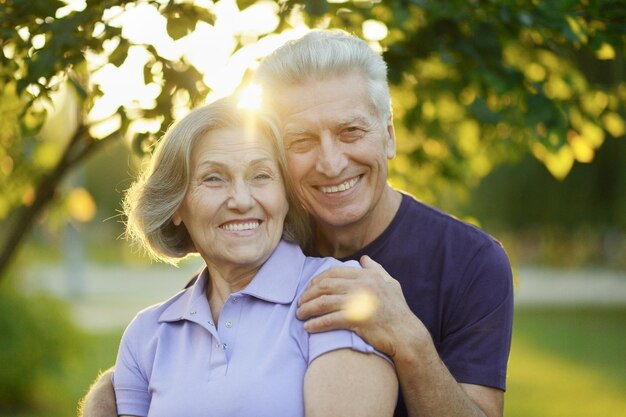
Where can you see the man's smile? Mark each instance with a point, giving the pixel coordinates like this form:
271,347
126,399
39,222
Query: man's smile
346,185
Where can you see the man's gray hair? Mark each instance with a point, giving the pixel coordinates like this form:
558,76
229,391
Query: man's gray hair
155,197
322,54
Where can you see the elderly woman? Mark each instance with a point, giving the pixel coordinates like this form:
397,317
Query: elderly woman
231,345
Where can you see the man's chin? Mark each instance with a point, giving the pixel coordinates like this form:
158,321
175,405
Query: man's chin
338,218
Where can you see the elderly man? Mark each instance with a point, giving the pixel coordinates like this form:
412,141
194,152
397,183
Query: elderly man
440,290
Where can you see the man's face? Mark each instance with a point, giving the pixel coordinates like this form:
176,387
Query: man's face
337,148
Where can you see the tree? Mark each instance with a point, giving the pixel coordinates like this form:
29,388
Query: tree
475,84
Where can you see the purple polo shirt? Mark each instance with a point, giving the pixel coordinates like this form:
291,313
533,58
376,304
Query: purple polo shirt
173,360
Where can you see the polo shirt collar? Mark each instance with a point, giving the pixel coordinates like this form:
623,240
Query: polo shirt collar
276,282
189,303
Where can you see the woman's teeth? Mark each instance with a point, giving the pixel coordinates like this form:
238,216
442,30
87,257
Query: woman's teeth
237,227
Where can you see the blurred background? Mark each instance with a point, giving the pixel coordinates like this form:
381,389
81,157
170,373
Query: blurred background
509,115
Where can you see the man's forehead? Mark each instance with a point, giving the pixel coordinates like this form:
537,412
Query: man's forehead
300,123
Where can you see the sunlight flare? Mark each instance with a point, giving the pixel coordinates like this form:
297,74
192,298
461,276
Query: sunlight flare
250,97
361,306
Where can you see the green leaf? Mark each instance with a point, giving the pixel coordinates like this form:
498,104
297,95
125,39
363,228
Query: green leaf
316,8
118,56
180,26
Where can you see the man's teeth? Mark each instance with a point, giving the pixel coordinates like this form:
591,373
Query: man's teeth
236,227
341,187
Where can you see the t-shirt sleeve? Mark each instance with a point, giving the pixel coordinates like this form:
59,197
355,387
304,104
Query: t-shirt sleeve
476,345
129,379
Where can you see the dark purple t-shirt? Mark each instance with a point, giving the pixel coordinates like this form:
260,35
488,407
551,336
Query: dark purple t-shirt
457,280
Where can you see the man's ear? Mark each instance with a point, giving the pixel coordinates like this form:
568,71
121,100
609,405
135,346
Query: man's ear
390,139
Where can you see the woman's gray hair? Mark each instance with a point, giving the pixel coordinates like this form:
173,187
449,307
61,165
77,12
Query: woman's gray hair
159,191
322,54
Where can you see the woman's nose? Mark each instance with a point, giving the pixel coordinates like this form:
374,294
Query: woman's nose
240,197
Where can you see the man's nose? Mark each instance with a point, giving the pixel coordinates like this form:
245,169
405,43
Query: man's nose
330,160
240,198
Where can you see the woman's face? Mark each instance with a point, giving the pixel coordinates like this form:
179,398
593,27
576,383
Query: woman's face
235,206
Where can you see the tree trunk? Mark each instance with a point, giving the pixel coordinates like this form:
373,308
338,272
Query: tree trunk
80,146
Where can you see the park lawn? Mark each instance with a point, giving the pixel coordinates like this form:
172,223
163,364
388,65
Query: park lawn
568,362
60,397
564,363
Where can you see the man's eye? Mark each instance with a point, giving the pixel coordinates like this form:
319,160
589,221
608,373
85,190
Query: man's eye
351,130
351,133
300,145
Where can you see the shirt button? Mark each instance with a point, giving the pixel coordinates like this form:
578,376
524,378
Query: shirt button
210,323
217,345
229,324
224,346
235,299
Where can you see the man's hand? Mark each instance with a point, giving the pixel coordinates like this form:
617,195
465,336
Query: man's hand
100,400
367,301
370,302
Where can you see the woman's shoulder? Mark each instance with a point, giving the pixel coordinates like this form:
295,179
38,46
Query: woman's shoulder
314,266
149,318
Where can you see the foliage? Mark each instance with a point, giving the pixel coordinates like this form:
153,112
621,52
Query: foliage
39,346
475,84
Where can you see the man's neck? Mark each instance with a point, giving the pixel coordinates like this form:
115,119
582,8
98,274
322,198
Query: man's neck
343,241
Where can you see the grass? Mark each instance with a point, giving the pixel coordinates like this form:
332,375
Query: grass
59,398
564,363
568,363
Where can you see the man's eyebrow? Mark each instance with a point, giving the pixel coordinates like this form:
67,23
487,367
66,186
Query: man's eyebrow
358,119
295,132
355,119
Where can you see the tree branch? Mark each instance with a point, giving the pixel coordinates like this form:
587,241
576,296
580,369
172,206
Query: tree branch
80,146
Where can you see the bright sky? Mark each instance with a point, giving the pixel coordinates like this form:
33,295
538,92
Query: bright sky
209,49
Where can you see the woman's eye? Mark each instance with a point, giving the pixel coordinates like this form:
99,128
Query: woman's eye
213,179
262,176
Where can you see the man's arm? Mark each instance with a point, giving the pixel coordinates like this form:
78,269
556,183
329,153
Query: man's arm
427,386
100,400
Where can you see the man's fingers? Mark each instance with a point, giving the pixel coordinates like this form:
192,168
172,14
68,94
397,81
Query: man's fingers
320,305
369,264
327,322
323,285
336,272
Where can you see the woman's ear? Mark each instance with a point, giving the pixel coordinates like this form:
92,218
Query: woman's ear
176,219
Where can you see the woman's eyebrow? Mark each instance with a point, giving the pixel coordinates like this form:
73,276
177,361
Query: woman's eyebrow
262,161
209,163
